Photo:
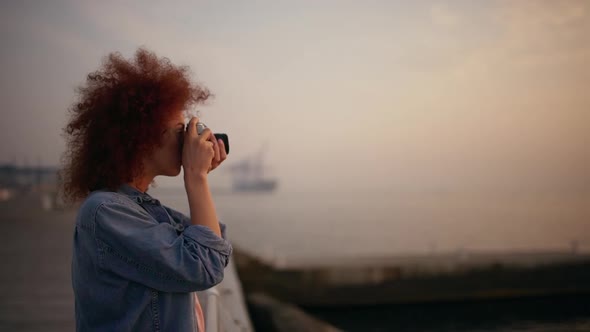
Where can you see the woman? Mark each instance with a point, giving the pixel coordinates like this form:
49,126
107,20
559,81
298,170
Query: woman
136,263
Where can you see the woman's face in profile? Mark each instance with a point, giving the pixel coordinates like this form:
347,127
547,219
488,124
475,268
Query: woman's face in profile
167,158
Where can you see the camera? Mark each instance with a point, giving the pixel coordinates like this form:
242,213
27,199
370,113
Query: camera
201,126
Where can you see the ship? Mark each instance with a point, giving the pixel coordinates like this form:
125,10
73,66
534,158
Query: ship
248,174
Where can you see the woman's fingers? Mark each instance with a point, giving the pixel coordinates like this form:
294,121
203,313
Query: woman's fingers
217,157
192,125
207,137
223,154
220,147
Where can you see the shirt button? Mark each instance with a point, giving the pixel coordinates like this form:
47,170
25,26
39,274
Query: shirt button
179,227
138,200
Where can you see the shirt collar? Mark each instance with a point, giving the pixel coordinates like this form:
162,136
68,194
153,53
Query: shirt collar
135,194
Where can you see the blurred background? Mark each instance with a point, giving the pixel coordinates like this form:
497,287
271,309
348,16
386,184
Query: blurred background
372,143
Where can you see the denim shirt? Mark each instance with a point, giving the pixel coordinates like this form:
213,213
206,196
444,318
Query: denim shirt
136,263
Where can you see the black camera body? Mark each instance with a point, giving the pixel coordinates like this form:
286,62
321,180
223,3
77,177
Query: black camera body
225,140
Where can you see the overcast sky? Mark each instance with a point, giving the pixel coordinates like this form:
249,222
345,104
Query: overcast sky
428,95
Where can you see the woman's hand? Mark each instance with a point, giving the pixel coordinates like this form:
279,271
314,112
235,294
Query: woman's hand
201,153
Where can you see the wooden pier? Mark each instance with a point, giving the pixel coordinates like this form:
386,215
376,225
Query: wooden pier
35,256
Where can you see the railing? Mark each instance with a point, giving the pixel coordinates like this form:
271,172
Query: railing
217,317
212,310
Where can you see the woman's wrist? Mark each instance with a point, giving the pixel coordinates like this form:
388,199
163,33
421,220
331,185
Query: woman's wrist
196,180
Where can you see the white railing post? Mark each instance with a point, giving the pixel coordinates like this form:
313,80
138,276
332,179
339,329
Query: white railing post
212,310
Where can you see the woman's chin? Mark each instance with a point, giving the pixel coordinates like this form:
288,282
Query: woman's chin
172,172
176,172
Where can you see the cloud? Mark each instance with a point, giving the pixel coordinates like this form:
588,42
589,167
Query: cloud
442,15
531,39
545,32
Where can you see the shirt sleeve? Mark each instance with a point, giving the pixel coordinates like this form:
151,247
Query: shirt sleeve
135,246
186,221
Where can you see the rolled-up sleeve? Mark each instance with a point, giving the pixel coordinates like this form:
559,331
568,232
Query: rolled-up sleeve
204,236
135,246
186,221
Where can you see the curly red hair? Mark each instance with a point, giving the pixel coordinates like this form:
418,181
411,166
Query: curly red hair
121,110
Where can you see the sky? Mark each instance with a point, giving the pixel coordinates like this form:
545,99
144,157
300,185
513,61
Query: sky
428,96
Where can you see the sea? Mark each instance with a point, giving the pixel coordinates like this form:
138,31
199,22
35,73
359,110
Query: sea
295,228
